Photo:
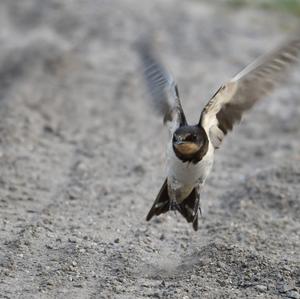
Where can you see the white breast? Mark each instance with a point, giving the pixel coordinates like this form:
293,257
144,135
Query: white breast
190,174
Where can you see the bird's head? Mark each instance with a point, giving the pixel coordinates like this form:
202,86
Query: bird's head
190,143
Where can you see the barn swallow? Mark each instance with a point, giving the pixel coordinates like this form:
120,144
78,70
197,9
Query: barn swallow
191,148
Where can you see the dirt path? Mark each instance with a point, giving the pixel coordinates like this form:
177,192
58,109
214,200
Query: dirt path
81,156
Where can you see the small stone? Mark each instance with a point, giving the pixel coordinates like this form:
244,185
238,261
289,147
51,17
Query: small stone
221,265
261,288
222,283
48,129
118,288
139,169
287,268
286,287
72,240
12,188
78,285
74,193
293,295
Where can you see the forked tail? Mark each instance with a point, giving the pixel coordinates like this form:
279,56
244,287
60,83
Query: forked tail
188,208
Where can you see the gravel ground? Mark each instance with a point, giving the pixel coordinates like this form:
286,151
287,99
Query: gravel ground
82,155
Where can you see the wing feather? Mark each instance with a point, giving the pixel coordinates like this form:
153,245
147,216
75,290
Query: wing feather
253,83
162,88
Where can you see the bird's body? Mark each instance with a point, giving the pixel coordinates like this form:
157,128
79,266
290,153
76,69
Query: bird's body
191,148
184,177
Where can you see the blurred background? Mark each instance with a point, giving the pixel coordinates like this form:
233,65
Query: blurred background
82,153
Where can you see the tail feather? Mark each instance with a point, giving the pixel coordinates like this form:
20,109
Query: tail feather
161,203
188,208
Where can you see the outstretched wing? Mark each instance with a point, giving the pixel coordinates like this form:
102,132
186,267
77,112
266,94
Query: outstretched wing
246,88
162,88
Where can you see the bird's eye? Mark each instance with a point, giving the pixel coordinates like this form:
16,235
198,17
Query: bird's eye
175,138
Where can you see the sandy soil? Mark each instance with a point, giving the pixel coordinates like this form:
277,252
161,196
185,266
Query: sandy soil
82,155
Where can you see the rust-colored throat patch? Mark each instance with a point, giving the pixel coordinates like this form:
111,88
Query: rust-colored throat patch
187,148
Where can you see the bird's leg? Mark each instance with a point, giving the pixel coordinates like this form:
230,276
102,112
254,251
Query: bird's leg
197,206
172,199
200,211
173,206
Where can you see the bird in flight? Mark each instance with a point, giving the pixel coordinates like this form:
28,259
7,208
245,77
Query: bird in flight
191,148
